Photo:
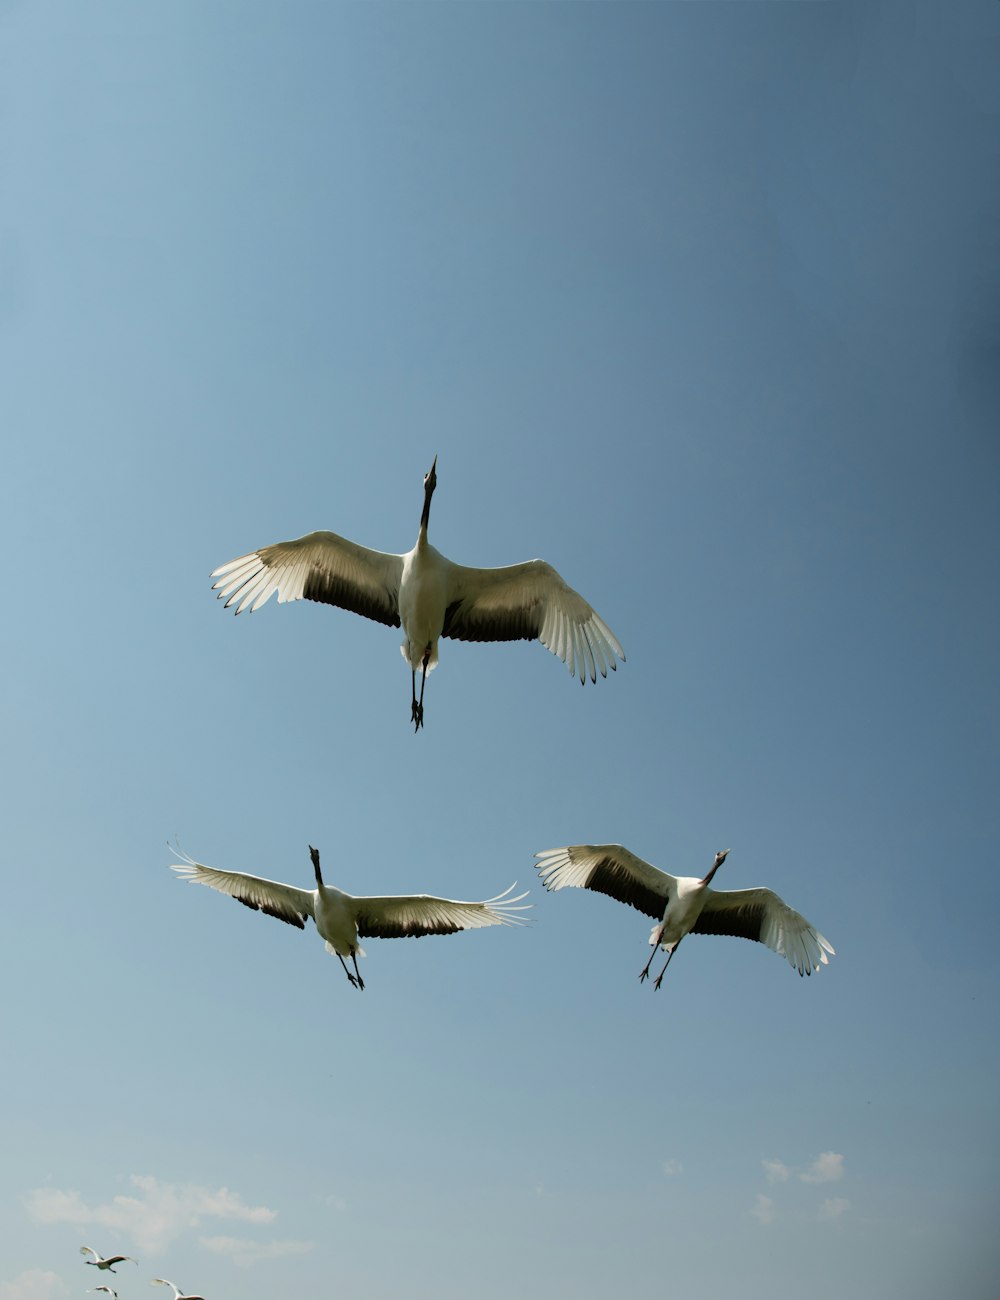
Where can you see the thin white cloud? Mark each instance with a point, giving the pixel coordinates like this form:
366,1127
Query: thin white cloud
826,1168
152,1219
34,1284
245,1253
834,1209
672,1167
775,1171
763,1210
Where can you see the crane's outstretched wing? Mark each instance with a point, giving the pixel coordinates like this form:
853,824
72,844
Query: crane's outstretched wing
89,1250
106,1289
412,916
120,1259
319,566
608,869
761,915
526,602
282,901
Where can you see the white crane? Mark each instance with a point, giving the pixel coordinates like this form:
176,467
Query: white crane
686,904
106,1263
105,1289
429,595
178,1294
342,919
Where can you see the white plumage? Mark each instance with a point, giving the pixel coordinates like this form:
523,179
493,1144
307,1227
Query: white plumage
429,595
106,1289
342,918
686,904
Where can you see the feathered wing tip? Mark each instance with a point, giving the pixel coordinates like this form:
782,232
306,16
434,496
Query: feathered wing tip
506,910
557,869
88,1250
804,948
188,861
808,951
246,583
587,648
825,946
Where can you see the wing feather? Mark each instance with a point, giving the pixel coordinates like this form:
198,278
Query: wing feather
759,914
320,566
528,602
411,916
608,869
284,902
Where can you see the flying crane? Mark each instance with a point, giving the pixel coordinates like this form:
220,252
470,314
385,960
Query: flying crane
429,595
685,904
342,918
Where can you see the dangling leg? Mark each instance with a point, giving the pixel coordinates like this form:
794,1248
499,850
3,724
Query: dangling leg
415,716
659,979
418,707
354,958
347,972
644,973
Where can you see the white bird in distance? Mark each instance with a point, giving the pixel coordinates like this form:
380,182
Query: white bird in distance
99,1262
342,919
178,1294
686,904
106,1289
429,595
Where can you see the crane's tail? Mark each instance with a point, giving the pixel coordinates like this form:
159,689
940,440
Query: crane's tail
358,950
415,657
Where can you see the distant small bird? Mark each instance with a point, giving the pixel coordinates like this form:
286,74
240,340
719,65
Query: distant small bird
429,595
686,904
106,1263
106,1289
342,918
162,1281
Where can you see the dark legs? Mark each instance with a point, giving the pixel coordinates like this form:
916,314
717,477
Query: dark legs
644,973
659,979
417,706
645,970
355,979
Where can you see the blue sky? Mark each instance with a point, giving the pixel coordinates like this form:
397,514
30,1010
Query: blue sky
697,302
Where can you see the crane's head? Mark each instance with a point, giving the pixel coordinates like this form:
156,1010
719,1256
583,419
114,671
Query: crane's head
314,855
431,478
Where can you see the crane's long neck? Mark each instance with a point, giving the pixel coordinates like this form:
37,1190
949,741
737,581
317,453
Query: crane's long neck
314,854
430,483
719,859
